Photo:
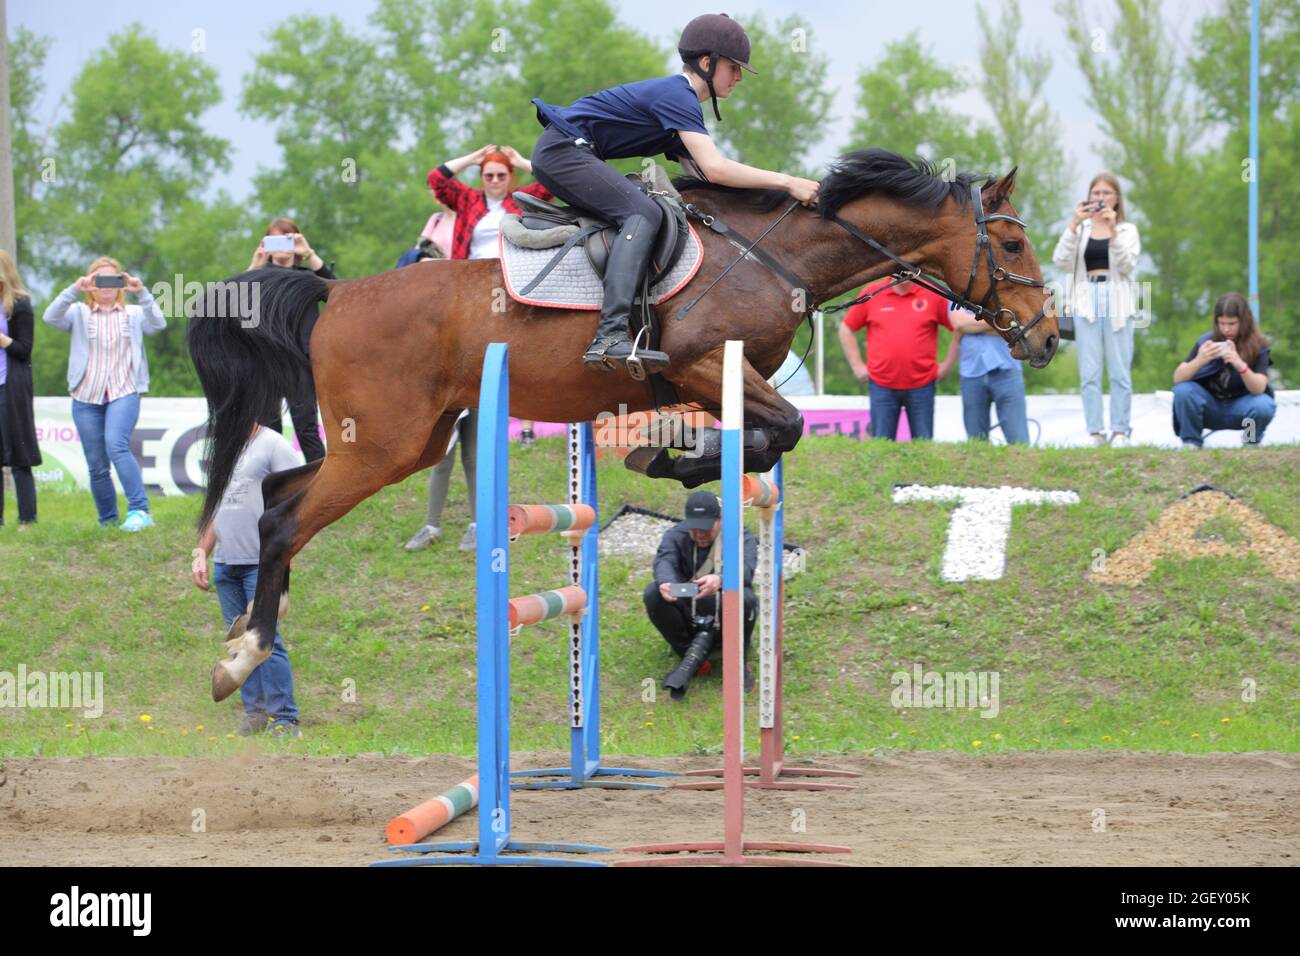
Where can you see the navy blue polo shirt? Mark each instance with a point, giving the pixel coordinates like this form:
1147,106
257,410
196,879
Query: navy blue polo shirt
635,119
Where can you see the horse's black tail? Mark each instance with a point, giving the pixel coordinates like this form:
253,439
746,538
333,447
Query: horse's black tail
248,340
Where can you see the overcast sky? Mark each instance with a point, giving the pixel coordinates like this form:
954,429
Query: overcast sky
850,34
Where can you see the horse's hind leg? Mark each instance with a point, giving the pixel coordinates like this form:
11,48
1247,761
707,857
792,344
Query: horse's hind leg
276,487
349,474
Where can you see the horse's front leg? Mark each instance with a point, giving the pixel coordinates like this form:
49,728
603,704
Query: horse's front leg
772,427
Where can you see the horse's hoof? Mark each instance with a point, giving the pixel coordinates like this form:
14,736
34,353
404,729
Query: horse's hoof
245,655
663,466
237,628
223,685
650,461
639,459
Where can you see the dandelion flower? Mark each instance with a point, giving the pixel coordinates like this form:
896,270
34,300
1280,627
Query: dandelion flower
997,736
145,718
977,743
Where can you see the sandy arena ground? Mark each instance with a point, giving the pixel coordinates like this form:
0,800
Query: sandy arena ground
906,809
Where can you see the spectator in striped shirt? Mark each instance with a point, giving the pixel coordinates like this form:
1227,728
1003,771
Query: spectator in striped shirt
107,374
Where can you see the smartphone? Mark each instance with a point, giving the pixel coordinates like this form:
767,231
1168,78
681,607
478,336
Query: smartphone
277,243
117,281
688,590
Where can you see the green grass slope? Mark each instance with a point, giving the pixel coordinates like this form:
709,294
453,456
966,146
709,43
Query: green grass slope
382,641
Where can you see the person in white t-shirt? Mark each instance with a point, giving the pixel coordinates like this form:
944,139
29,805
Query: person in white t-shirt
233,534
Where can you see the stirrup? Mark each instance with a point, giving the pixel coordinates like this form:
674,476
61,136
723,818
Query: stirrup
642,362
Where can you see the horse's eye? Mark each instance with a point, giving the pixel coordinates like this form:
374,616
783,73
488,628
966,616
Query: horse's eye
1012,247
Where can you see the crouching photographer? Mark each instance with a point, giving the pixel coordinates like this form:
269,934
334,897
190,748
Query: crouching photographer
682,600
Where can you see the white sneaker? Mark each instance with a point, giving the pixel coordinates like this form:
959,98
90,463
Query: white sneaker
1098,439
424,537
470,541
1120,440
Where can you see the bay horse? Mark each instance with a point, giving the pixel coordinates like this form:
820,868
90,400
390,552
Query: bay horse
397,356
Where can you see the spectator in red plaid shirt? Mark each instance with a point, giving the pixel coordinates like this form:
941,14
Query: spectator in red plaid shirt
479,211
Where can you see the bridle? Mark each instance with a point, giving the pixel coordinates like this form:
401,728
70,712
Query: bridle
911,273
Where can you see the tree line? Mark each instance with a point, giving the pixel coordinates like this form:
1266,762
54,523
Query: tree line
359,117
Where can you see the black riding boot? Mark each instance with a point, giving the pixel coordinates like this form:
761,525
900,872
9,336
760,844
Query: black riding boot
625,272
677,682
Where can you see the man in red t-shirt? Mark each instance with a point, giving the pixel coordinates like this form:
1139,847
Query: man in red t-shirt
902,326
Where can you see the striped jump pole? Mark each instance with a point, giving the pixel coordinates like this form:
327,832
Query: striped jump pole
734,848
766,495
429,817
495,845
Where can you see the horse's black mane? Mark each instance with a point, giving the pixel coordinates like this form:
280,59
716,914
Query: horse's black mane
917,182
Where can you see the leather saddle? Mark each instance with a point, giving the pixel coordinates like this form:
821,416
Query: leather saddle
547,225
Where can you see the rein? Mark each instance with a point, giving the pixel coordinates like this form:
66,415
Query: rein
751,248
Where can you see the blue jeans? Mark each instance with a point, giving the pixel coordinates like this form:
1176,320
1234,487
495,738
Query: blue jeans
885,406
268,692
1006,388
1197,409
105,432
1096,339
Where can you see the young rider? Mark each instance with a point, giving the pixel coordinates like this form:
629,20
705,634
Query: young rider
646,118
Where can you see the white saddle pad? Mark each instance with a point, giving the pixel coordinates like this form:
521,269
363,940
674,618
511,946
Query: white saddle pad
573,283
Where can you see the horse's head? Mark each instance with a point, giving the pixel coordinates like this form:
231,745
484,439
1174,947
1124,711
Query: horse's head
992,262
953,228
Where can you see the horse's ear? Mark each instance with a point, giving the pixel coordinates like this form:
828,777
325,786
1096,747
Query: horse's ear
1001,190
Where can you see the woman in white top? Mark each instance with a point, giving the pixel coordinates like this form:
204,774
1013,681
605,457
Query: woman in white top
1099,252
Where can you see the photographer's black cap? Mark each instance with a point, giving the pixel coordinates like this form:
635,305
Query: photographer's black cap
702,509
